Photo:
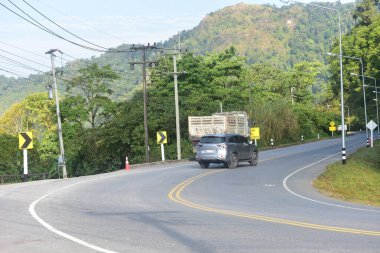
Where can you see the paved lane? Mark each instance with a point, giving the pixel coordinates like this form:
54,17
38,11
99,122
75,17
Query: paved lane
248,209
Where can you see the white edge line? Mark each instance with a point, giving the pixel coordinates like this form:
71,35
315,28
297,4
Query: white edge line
58,232
284,183
63,234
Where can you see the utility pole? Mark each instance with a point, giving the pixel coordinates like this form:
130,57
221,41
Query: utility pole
175,74
61,147
176,101
179,45
291,94
144,62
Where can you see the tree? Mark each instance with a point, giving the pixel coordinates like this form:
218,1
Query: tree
302,78
91,89
362,42
366,12
10,155
35,113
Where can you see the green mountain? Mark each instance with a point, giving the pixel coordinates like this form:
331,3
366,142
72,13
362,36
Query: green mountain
266,34
262,33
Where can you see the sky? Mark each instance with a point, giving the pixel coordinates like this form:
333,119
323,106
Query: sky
105,23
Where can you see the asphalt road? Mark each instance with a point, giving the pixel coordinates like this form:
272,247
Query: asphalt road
179,207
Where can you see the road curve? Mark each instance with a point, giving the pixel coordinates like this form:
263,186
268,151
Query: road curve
182,208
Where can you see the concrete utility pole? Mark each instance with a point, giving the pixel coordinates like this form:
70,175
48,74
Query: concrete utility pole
176,101
144,62
179,45
291,94
175,74
61,147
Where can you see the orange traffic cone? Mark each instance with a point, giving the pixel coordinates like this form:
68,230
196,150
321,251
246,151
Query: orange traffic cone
127,166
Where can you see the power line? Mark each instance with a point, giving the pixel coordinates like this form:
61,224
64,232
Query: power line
81,21
27,51
24,58
33,53
14,70
13,73
20,64
42,27
76,36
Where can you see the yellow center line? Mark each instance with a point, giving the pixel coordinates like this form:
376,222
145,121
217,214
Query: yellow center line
175,195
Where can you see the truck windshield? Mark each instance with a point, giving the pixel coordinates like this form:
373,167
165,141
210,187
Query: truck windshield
212,139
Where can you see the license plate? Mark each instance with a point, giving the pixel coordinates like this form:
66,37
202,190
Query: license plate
208,151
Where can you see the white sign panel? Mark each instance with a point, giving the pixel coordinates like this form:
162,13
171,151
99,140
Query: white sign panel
340,127
371,125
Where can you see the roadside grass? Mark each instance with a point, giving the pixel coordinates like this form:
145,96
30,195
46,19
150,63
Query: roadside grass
357,181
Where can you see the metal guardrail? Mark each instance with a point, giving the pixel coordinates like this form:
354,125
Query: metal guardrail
22,178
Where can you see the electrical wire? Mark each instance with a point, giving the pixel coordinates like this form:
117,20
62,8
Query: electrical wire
42,27
12,73
20,64
76,36
27,51
24,58
30,52
81,21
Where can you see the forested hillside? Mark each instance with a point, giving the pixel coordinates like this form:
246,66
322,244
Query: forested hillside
260,33
266,34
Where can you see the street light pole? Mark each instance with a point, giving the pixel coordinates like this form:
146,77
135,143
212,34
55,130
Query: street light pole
59,125
377,107
341,75
364,96
377,101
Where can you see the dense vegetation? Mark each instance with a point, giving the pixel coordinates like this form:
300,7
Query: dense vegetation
99,131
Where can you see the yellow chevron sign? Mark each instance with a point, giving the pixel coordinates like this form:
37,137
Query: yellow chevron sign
25,140
162,137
